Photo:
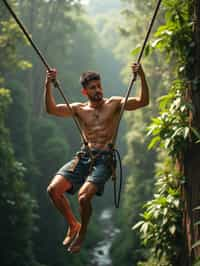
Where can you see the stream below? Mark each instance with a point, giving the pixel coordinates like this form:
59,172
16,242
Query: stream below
100,255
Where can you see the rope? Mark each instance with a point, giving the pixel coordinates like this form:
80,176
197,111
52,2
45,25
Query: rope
117,198
117,195
44,61
135,76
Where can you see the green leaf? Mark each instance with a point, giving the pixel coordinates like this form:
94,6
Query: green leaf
144,228
136,50
196,244
196,133
186,132
165,211
137,225
172,229
177,132
153,142
147,50
167,143
165,220
197,223
181,68
196,208
147,215
155,42
24,64
177,203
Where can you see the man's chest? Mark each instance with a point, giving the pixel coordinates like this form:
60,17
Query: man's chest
96,116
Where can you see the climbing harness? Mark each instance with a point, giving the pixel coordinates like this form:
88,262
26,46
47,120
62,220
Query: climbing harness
115,152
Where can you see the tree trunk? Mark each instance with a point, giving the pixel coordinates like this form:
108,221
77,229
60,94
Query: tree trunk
191,192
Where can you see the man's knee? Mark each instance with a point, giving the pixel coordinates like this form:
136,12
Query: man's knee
86,193
84,198
58,186
52,191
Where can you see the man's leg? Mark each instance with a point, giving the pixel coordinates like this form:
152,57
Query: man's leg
86,193
56,190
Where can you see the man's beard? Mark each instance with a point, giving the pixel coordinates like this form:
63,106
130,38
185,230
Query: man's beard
97,97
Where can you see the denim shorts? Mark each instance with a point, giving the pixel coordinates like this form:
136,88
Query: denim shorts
81,169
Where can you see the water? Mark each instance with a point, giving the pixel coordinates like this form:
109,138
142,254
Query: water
101,253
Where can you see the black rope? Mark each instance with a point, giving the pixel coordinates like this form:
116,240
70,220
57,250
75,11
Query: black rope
117,194
117,198
135,76
44,61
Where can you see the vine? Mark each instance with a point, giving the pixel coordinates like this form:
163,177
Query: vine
171,132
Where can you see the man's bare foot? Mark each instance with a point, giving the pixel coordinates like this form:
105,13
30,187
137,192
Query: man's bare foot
71,233
76,244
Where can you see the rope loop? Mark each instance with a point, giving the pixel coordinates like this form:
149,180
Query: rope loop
117,194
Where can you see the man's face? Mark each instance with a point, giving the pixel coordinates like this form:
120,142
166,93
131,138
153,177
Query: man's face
94,91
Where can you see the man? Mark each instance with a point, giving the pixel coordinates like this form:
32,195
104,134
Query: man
98,119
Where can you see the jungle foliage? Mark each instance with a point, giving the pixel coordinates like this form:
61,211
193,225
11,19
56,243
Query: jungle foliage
170,132
34,145
161,225
18,208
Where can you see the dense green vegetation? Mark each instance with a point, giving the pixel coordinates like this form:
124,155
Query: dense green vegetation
172,130
41,143
105,37
18,209
161,229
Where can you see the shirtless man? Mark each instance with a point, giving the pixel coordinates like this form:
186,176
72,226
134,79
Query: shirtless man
98,118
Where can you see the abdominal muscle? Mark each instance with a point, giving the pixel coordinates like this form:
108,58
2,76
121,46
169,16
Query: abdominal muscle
99,137
99,131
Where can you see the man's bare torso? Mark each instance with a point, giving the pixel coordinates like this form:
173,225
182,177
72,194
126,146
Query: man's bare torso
99,123
98,117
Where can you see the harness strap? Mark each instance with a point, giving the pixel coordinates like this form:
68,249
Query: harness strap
95,154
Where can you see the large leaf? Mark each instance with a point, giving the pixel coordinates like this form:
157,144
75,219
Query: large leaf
153,142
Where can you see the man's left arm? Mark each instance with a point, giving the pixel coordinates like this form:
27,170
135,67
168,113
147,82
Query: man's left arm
143,98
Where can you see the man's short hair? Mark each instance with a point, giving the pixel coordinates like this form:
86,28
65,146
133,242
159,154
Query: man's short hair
86,77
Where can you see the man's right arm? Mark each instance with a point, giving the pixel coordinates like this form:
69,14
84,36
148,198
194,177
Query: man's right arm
50,104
